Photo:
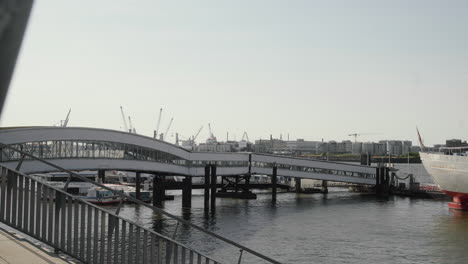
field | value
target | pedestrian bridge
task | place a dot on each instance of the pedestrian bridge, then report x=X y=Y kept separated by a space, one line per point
x=79 y=148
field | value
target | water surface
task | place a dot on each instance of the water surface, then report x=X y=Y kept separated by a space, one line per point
x=340 y=227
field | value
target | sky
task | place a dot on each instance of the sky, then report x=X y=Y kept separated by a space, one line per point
x=311 y=69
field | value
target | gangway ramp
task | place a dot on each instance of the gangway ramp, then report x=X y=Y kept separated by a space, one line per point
x=313 y=169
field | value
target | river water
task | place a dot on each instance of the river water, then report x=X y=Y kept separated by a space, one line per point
x=339 y=227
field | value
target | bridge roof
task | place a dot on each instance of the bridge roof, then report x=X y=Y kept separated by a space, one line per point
x=182 y=161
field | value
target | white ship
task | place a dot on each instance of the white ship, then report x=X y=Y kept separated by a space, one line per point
x=449 y=169
x=58 y=180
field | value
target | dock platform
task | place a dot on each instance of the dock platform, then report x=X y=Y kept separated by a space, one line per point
x=15 y=249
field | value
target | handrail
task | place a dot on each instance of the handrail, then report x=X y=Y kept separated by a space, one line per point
x=59 y=190
x=128 y=197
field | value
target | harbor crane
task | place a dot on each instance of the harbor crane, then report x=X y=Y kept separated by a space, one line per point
x=158 y=123
x=131 y=128
x=65 y=122
x=355 y=135
x=245 y=137
x=209 y=129
x=198 y=133
x=124 y=119
x=168 y=127
x=212 y=138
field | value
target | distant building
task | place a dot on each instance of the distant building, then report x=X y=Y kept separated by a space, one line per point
x=373 y=148
x=453 y=143
x=322 y=147
x=218 y=147
x=348 y=146
x=394 y=147
x=356 y=148
x=368 y=147
x=244 y=145
x=302 y=146
x=332 y=146
x=437 y=147
x=406 y=147
x=380 y=149
x=269 y=146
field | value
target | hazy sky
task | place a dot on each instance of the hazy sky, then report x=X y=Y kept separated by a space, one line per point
x=314 y=69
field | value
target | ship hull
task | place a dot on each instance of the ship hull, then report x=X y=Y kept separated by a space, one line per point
x=451 y=174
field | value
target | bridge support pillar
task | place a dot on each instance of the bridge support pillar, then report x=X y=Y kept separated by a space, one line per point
x=325 y=186
x=102 y=176
x=207 y=189
x=382 y=186
x=231 y=187
x=213 y=188
x=298 y=185
x=247 y=184
x=187 y=192
x=138 y=185
x=366 y=159
x=273 y=184
x=158 y=190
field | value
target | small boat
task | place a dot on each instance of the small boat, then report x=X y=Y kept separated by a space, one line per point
x=98 y=195
x=145 y=194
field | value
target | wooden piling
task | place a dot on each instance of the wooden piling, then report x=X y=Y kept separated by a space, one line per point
x=187 y=192
x=273 y=184
x=247 y=184
x=213 y=188
x=138 y=185
x=158 y=190
x=102 y=176
x=298 y=184
x=325 y=186
x=207 y=189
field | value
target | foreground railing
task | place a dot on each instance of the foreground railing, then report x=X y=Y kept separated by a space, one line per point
x=83 y=230
x=125 y=235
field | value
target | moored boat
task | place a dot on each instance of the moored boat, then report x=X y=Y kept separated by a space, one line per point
x=98 y=195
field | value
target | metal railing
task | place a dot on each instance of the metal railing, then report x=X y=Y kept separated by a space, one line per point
x=81 y=229
x=171 y=251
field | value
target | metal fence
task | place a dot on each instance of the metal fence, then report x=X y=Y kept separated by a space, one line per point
x=83 y=230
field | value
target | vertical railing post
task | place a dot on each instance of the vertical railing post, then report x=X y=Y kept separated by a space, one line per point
x=19 y=179
x=14 y=190
x=240 y=256
x=26 y=205
x=59 y=203
x=3 y=187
